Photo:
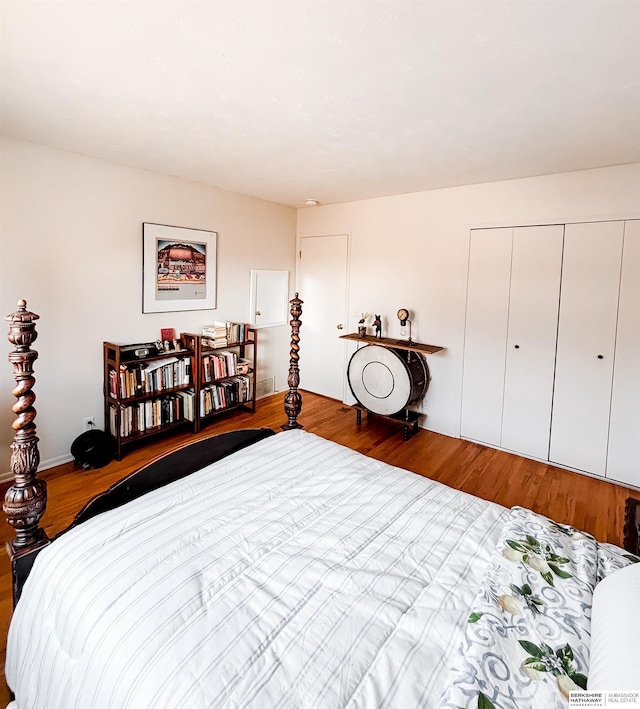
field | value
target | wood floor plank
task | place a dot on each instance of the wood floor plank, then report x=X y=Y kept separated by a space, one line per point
x=593 y=505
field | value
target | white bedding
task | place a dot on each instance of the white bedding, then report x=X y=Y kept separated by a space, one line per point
x=615 y=631
x=295 y=573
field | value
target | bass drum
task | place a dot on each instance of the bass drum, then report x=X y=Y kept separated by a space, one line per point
x=385 y=380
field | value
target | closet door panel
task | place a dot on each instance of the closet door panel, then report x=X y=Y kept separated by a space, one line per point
x=623 y=461
x=486 y=334
x=586 y=337
x=531 y=342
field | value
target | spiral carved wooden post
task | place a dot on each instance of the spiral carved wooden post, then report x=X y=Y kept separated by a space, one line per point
x=293 y=400
x=26 y=499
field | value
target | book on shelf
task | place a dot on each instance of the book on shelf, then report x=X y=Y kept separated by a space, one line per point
x=237 y=333
x=224 y=333
x=219 y=365
x=156 y=376
x=223 y=395
x=188 y=404
x=113 y=383
x=143 y=416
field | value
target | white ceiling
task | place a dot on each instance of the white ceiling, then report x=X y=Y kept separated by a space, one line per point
x=332 y=100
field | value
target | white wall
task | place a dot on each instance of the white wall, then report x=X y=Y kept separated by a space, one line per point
x=412 y=251
x=71 y=245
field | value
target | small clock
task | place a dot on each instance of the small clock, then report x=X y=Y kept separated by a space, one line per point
x=403 y=315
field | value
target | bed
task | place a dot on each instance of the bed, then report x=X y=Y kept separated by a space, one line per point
x=264 y=569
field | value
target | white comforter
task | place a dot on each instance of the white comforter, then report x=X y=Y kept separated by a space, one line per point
x=295 y=573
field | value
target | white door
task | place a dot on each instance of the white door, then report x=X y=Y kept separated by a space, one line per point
x=322 y=286
x=486 y=334
x=623 y=460
x=510 y=337
x=586 y=344
x=531 y=342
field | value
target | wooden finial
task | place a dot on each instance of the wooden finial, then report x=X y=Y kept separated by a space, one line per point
x=293 y=400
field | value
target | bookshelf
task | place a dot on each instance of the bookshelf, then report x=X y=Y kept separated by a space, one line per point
x=148 y=392
x=223 y=373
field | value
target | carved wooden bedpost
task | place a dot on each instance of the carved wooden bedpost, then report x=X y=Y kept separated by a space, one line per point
x=26 y=499
x=293 y=400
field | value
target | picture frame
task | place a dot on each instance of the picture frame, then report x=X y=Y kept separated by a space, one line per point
x=179 y=268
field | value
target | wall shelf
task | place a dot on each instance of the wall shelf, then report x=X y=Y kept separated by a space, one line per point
x=395 y=344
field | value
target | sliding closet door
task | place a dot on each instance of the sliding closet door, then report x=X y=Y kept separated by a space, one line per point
x=586 y=344
x=510 y=341
x=531 y=342
x=623 y=460
x=486 y=334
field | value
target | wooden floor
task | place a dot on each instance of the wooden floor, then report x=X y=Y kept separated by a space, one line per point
x=586 y=503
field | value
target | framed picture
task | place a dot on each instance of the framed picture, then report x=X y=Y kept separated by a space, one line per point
x=178 y=268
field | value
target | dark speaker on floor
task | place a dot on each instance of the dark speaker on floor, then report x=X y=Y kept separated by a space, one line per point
x=93 y=449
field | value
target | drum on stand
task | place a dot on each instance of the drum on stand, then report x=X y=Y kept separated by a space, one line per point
x=385 y=380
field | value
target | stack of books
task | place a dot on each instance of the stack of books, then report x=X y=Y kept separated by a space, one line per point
x=215 y=335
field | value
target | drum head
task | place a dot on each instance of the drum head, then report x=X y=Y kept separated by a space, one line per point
x=380 y=379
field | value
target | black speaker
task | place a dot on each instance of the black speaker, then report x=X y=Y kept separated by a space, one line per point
x=93 y=449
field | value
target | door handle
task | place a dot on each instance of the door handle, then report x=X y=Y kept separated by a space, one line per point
x=340 y=326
